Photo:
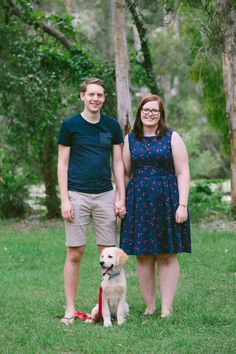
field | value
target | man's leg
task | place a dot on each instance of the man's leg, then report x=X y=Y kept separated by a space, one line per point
x=71 y=277
x=104 y=219
x=101 y=247
x=75 y=242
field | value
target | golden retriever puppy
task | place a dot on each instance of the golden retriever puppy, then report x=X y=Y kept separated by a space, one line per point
x=113 y=286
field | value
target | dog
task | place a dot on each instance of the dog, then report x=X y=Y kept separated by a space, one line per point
x=113 y=286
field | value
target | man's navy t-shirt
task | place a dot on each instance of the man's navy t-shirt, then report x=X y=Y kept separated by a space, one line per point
x=89 y=168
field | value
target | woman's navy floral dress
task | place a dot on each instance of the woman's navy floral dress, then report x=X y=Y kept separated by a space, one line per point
x=149 y=227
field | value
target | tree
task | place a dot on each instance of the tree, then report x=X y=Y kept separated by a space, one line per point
x=219 y=33
x=122 y=67
x=229 y=68
x=40 y=72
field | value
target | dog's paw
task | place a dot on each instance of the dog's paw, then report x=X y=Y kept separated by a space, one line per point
x=107 y=323
x=120 y=320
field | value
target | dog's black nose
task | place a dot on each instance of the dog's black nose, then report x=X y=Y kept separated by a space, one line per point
x=101 y=263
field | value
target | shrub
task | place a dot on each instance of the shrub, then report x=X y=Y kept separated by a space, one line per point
x=204 y=162
x=13 y=189
x=206 y=203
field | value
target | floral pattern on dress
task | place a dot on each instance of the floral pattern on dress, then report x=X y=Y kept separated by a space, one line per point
x=149 y=227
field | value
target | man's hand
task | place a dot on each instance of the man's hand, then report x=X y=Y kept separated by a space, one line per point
x=67 y=210
x=120 y=208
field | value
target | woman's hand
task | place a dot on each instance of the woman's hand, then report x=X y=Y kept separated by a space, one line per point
x=120 y=208
x=181 y=214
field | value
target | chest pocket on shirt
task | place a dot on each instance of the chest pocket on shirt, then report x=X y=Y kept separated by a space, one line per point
x=105 y=138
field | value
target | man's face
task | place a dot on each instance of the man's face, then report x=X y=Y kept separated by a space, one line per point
x=93 y=98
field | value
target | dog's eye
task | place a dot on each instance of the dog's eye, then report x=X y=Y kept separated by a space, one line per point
x=110 y=257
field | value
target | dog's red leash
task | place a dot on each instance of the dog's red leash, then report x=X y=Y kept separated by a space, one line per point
x=87 y=317
x=83 y=316
x=99 y=314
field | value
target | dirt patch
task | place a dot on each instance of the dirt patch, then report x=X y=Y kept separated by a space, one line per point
x=36 y=222
x=217 y=225
x=31 y=222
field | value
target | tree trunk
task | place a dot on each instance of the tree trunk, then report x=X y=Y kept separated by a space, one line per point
x=68 y=5
x=229 y=67
x=124 y=109
x=229 y=70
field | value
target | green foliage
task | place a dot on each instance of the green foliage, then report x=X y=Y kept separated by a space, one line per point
x=201 y=146
x=184 y=112
x=206 y=203
x=63 y=23
x=206 y=65
x=13 y=188
x=204 y=165
x=138 y=75
x=39 y=83
x=151 y=12
x=210 y=74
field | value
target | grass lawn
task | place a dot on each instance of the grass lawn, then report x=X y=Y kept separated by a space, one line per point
x=31 y=296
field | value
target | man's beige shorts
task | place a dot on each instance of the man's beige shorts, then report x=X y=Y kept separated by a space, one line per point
x=102 y=209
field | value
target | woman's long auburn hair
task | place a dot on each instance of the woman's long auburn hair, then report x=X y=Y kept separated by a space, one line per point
x=138 y=125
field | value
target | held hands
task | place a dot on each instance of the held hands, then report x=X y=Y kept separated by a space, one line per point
x=120 y=208
x=181 y=214
x=67 y=210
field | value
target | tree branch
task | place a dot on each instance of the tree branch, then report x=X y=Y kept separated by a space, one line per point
x=15 y=10
x=57 y=34
x=147 y=62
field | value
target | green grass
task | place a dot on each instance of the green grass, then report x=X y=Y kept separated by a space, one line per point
x=31 y=296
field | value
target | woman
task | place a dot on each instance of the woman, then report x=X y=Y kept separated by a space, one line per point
x=156 y=226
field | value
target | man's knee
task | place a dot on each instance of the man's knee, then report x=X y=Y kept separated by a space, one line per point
x=75 y=254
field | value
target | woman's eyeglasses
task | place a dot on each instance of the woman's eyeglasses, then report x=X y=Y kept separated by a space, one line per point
x=154 y=112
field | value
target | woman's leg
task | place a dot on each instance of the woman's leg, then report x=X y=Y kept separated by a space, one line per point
x=146 y=271
x=168 y=271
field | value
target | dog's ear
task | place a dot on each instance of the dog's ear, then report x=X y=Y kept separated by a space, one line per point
x=122 y=257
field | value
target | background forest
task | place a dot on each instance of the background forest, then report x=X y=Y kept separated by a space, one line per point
x=174 y=48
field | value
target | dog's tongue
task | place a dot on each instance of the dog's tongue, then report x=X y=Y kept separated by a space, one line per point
x=104 y=270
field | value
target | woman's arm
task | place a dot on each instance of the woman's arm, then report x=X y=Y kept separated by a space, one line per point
x=180 y=157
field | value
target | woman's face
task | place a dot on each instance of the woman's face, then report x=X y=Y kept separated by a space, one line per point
x=150 y=114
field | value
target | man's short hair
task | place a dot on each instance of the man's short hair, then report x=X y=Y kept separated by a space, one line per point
x=92 y=80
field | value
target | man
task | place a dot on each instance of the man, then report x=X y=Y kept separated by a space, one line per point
x=84 y=176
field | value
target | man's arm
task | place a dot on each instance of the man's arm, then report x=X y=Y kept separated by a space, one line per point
x=127 y=161
x=62 y=174
x=118 y=169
